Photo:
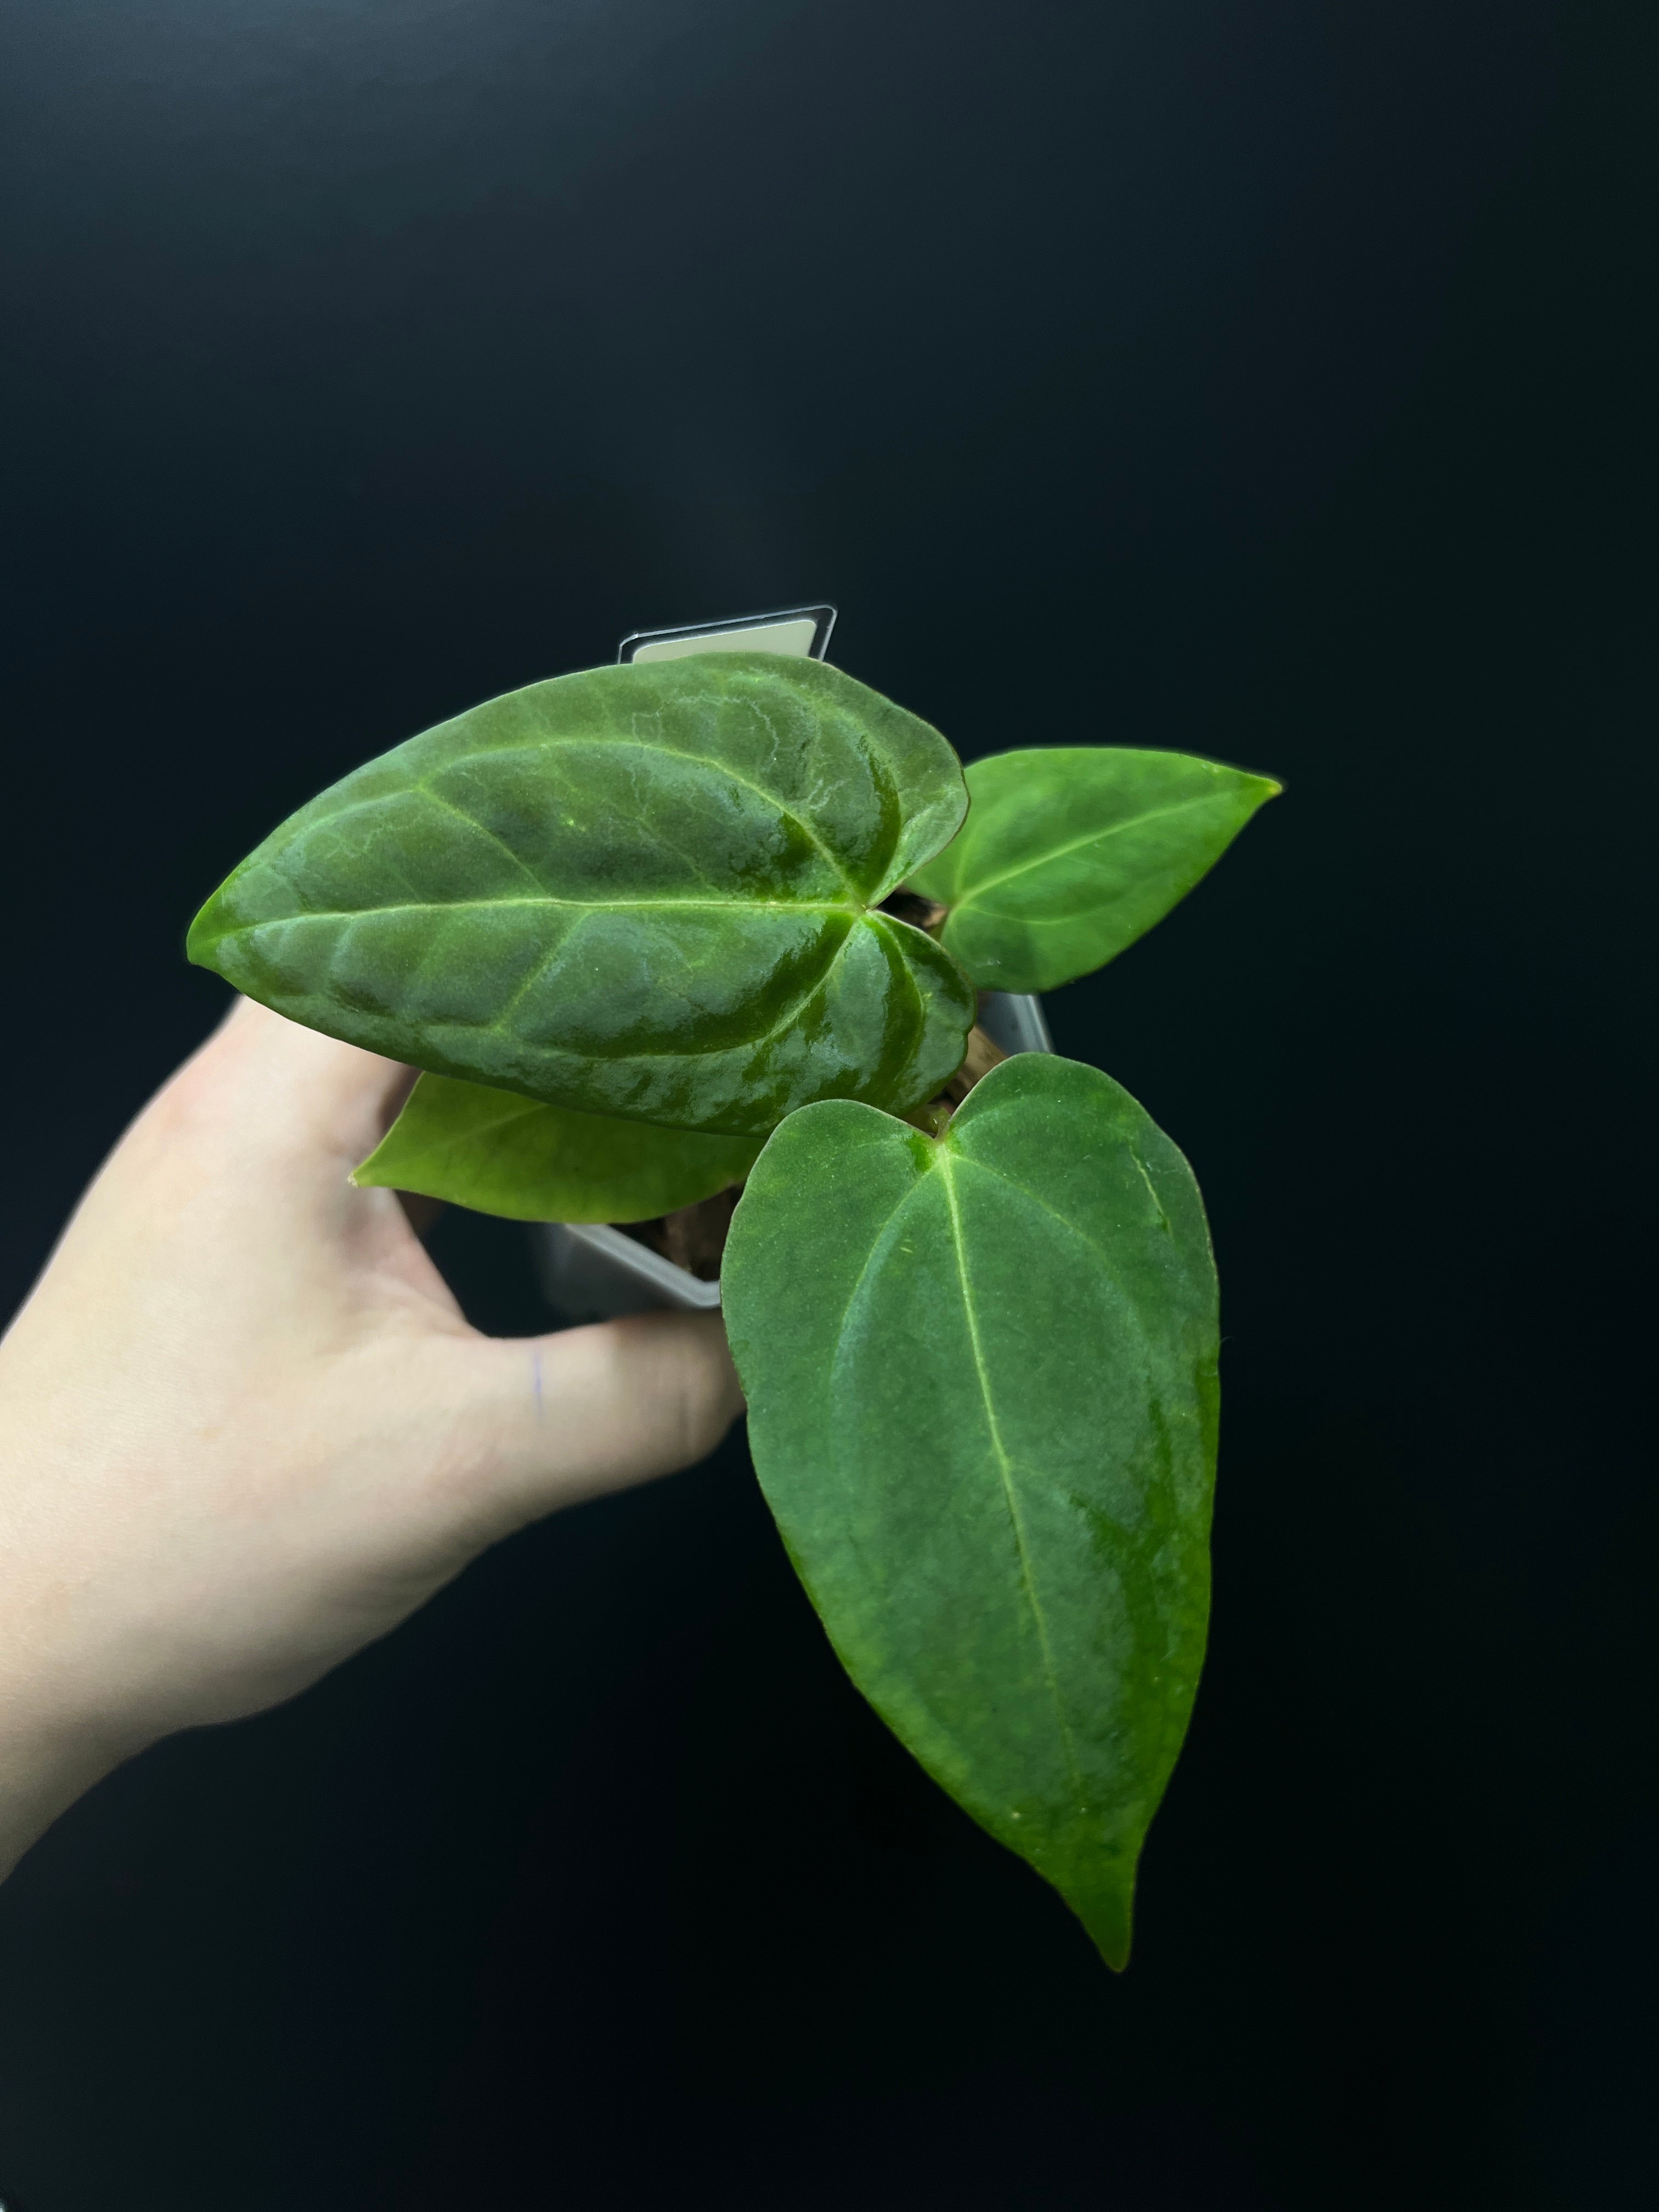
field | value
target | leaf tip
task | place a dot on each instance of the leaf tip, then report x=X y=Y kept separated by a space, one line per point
x=1104 y=1898
x=1109 y=1919
x=207 y=933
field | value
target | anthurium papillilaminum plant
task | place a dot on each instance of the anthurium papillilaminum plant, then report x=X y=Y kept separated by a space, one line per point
x=657 y=931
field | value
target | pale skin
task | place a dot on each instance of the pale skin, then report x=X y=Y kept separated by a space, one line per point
x=244 y=1430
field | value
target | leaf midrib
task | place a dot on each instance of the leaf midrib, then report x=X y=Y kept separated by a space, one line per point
x=547 y=898
x=512 y=1109
x=878 y=925
x=496 y=1024
x=942 y=1166
x=1077 y=844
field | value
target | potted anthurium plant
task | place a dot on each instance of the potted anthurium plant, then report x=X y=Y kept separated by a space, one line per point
x=657 y=931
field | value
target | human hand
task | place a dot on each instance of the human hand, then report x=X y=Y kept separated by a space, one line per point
x=244 y=1430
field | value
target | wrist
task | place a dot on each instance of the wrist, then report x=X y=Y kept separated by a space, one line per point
x=40 y=1776
x=56 y=1742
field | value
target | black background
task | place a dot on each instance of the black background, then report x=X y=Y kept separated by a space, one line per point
x=1268 y=378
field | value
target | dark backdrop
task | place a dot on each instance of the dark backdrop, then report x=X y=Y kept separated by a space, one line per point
x=1268 y=378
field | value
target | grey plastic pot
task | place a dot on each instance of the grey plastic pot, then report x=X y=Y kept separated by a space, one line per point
x=592 y=1272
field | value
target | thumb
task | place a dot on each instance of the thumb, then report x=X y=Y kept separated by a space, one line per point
x=552 y=1419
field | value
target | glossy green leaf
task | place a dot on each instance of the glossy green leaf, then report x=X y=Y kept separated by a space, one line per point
x=1071 y=852
x=499 y=1153
x=983 y=1401
x=643 y=891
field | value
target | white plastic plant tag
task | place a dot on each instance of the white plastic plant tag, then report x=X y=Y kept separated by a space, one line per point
x=801 y=630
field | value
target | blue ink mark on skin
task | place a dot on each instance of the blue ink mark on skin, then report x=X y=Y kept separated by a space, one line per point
x=535 y=1381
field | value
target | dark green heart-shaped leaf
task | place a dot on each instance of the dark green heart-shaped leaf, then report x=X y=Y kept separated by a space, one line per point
x=982 y=1399
x=644 y=891
x=1071 y=852
x=499 y=1153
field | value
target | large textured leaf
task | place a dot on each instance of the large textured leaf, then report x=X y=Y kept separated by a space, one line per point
x=1071 y=852
x=642 y=891
x=981 y=1383
x=499 y=1153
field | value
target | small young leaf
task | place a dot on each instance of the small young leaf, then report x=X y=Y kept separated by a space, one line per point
x=1070 y=853
x=982 y=1403
x=645 y=891
x=498 y=1153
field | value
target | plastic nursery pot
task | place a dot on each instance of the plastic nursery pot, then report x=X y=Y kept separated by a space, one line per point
x=595 y=1272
